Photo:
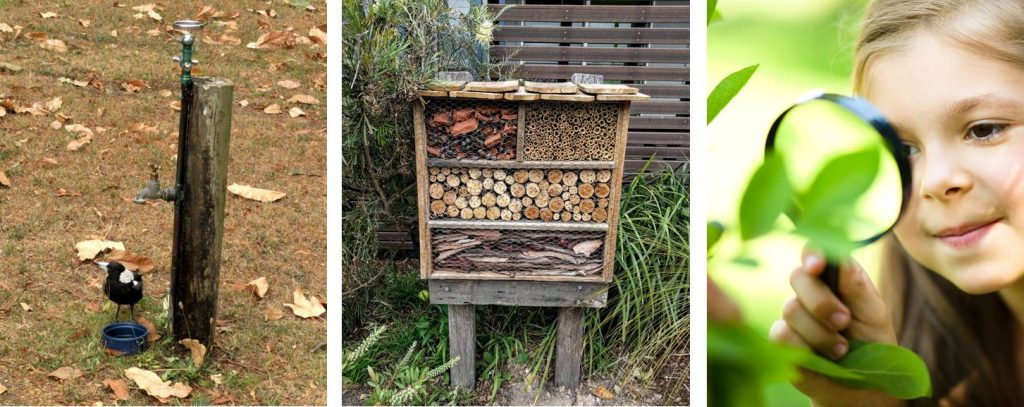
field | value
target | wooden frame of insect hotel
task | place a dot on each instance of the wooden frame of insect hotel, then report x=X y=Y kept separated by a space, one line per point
x=518 y=188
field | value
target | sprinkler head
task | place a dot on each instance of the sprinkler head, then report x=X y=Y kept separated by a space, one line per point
x=188 y=29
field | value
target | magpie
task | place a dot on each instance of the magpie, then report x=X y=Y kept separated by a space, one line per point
x=122 y=286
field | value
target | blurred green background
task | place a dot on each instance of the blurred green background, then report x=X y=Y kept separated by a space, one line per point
x=801 y=45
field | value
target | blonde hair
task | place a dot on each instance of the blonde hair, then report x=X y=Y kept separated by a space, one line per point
x=990 y=28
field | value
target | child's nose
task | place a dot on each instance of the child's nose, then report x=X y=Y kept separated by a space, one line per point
x=942 y=179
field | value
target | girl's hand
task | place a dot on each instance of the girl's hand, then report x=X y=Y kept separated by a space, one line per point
x=818 y=320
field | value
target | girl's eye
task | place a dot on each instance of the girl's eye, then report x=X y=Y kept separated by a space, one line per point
x=909 y=149
x=985 y=131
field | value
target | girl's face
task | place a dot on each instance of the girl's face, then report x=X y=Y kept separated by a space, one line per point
x=962 y=114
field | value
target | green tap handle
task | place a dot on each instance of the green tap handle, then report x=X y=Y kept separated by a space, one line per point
x=186 y=59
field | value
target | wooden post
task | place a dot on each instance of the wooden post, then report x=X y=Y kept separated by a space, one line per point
x=462 y=343
x=569 y=347
x=195 y=262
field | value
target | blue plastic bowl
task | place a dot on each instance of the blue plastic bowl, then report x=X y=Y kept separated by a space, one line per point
x=126 y=337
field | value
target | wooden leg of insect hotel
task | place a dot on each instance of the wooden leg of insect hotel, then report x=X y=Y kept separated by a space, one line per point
x=569 y=347
x=461 y=343
x=200 y=221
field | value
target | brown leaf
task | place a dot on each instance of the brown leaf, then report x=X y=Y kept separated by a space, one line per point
x=288 y=84
x=229 y=39
x=65 y=373
x=587 y=247
x=26 y=307
x=256 y=194
x=152 y=385
x=273 y=314
x=61 y=192
x=49 y=14
x=305 y=308
x=304 y=99
x=4 y=181
x=153 y=335
x=198 y=350
x=318 y=36
x=296 y=112
x=272 y=109
x=130 y=260
x=259 y=286
x=85 y=23
x=49 y=161
x=175 y=105
x=119 y=387
x=2 y=389
x=4 y=28
x=77 y=144
x=133 y=85
x=603 y=393
x=53 y=105
x=54 y=45
x=166 y=93
x=273 y=39
x=37 y=36
x=89 y=249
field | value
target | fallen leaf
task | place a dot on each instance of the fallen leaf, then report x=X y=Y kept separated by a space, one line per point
x=56 y=125
x=165 y=93
x=37 y=36
x=587 y=247
x=48 y=14
x=304 y=99
x=175 y=105
x=256 y=194
x=318 y=36
x=218 y=379
x=75 y=145
x=273 y=39
x=4 y=181
x=89 y=249
x=603 y=393
x=145 y=8
x=26 y=307
x=6 y=28
x=154 y=15
x=119 y=387
x=61 y=192
x=65 y=373
x=296 y=112
x=85 y=23
x=272 y=109
x=3 y=389
x=259 y=286
x=131 y=261
x=133 y=85
x=154 y=32
x=229 y=39
x=152 y=385
x=198 y=350
x=288 y=84
x=50 y=161
x=153 y=335
x=113 y=33
x=305 y=308
x=242 y=103
x=273 y=314
x=54 y=45
x=9 y=67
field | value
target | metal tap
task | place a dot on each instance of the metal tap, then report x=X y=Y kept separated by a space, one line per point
x=152 y=189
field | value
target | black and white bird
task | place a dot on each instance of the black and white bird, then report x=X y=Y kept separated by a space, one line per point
x=122 y=286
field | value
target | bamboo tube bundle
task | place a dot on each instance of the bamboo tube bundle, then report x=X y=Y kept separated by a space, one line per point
x=570 y=131
x=471 y=129
x=551 y=195
x=518 y=252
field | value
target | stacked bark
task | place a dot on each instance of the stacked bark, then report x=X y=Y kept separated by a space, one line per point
x=472 y=130
x=546 y=195
x=518 y=252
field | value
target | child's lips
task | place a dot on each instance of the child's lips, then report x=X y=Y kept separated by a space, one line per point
x=965 y=235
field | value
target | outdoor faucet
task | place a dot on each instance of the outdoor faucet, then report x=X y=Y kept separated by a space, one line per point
x=152 y=189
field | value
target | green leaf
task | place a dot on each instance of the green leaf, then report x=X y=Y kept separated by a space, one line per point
x=829 y=368
x=715 y=17
x=767 y=196
x=715 y=230
x=895 y=370
x=841 y=181
x=712 y=6
x=727 y=89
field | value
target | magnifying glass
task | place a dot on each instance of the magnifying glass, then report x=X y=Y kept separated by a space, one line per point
x=848 y=169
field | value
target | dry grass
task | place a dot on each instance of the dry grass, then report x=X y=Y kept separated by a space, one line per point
x=262 y=362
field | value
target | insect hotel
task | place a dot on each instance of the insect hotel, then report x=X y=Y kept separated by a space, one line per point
x=518 y=189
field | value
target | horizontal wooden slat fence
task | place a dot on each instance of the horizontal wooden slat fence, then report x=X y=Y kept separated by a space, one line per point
x=645 y=46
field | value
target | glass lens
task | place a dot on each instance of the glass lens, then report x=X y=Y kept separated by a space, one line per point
x=846 y=182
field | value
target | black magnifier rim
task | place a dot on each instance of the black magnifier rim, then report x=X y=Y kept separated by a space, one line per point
x=869 y=114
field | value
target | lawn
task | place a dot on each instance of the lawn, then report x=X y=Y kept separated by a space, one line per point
x=109 y=64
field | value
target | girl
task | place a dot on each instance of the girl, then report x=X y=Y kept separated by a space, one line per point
x=949 y=75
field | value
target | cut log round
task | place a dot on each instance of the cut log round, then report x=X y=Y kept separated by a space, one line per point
x=434 y=171
x=604 y=175
x=555 y=176
x=488 y=199
x=474 y=173
x=462 y=202
x=536 y=175
x=521 y=176
x=516 y=216
x=453 y=211
x=565 y=196
x=463 y=177
x=480 y=212
x=499 y=187
x=463 y=191
x=487 y=173
x=576 y=216
x=541 y=201
x=569 y=178
x=555 y=190
x=436 y=191
x=453 y=180
x=506 y=214
x=515 y=205
x=474 y=186
x=587 y=206
x=438 y=208
x=556 y=204
x=502 y=200
x=602 y=190
x=517 y=190
x=510 y=179
x=566 y=216
x=586 y=191
x=449 y=197
x=532 y=190
x=446 y=171
x=543 y=185
x=493 y=213
x=474 y=201
x=488 y=183
x=499 y=174
x=466 y=214
x=574 y=199
x=600 y=215
x=587 y=176
x=585 y=217
x=602 y=203
x=531 y=212
x=546 y=215
x=527 y=201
